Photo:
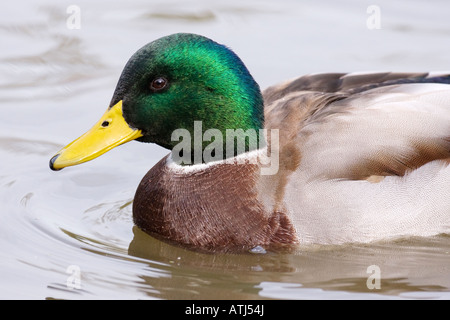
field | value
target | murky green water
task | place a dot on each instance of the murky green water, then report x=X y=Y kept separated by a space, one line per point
x=55 y=82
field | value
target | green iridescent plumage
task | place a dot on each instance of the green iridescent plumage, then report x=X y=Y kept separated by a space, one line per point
x=207 y=82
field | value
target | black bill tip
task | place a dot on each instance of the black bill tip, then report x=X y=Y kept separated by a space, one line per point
x=52 y=162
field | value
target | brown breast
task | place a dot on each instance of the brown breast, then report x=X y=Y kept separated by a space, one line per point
x=216 y=209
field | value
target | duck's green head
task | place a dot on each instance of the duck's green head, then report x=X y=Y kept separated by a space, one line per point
x=173 y=83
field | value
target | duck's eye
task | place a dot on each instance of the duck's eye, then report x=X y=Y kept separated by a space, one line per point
x=158 y=84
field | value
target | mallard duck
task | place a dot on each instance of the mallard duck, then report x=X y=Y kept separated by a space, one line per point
x=347 y=157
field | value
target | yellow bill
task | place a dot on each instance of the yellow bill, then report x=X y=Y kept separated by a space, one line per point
x=109 y=132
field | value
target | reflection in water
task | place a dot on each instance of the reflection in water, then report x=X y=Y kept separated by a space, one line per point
x=402 y=265
x=203 y=275
x=149 y=248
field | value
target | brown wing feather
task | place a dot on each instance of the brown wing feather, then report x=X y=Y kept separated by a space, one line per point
x=388 y=164
x=335 y=82
x=291 y=106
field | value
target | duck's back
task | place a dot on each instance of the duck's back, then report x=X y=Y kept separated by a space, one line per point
x=363 y=157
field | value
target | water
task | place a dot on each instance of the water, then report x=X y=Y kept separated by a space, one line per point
x=55 y=82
